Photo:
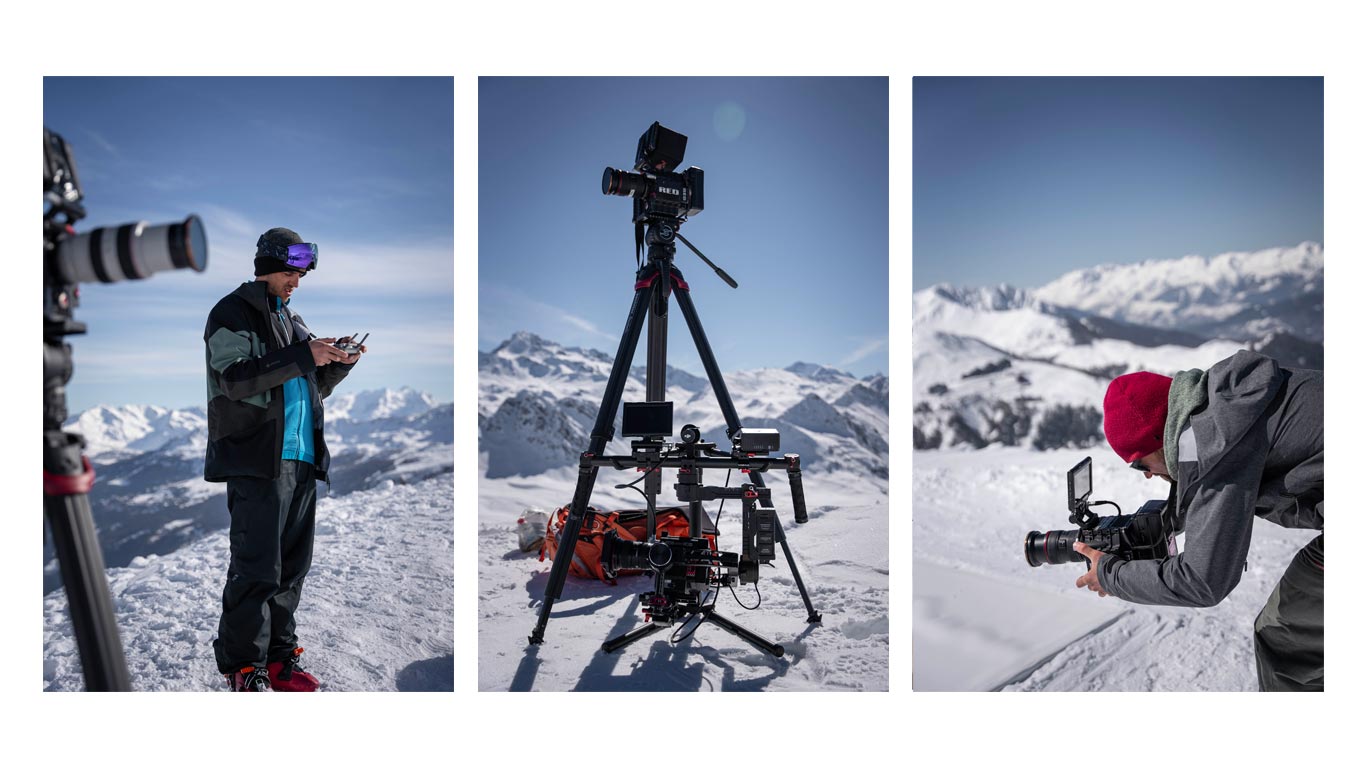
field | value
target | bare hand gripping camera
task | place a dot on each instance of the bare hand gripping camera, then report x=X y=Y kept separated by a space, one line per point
x=685 y=568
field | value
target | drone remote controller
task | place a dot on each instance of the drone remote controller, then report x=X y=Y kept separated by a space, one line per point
x=352 y=347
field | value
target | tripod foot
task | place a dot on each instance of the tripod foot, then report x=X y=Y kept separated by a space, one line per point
x=535 y=638
x=814 y=618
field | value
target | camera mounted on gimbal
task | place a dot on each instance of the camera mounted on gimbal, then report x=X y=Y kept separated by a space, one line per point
x=1144 y=535
x=108 y=254
x=685 y=568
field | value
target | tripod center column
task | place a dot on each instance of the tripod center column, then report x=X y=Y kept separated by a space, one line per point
x=659 y=237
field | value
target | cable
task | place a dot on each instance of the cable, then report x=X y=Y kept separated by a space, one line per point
x=717 y=522
x=1118 y=511
x=756 y=593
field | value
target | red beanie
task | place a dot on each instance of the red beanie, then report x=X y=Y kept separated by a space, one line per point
x=1136 y=413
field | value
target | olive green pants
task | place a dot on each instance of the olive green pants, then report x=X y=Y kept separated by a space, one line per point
x=1289 y=631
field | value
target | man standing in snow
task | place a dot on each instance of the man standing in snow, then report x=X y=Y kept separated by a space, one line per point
x=267 y=378
x=1243 y=439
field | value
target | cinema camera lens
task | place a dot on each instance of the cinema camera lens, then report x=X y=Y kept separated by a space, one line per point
x=133 y=251
x=620 y=554
x=624 y=183
x=1051 y=548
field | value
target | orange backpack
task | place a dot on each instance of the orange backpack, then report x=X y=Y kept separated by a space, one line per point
x=628 y=524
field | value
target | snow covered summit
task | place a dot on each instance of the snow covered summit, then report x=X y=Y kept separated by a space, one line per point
x=1239 y=295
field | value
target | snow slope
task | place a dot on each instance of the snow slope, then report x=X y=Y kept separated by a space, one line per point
x=842 y=554
x=376 y=612
x=985 y=620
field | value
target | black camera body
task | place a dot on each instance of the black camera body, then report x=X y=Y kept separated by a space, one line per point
x=1140 y=536
x=658 y=192
x=685 y=568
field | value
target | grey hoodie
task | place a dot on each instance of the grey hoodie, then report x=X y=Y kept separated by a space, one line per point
x=1254 y=448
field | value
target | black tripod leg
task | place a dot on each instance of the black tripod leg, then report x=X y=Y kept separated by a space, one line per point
x=621 y=641
x=743 y=634
x=812 y=615
x=699 y=338
x=602 y=432
x=87 y=593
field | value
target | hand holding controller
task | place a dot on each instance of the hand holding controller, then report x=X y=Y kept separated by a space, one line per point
x=350 y=345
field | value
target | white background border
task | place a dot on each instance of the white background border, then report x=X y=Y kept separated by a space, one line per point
x=711 y=38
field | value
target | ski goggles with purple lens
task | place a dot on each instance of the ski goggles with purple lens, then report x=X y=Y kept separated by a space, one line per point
x=302 y=256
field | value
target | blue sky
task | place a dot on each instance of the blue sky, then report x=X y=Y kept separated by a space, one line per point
x=1019 y=180
x=361 y=166
x=796 y=211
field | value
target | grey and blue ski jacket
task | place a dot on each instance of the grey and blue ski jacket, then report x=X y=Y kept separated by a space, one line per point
x=258 y=363
x=1248 y=442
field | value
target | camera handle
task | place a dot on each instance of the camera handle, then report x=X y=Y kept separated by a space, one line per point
x=721 y=273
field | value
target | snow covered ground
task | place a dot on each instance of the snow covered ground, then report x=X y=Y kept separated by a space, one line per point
x=842 y=554
x=983 y=619
x=376 y=613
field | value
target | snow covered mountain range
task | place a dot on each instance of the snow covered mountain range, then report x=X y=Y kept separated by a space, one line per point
x=1015 y=367
x=538 y=401
x=150 y=497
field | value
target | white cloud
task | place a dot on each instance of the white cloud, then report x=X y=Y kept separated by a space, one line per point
x=494 y=298
x=863 y=351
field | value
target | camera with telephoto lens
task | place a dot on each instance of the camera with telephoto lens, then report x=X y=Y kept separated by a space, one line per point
x=130 y=251
x=658 y=192
x=1143 y=535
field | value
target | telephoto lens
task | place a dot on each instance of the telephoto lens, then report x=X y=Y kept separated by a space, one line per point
x=1052 y=547
x=133 y=251
x=623 y=183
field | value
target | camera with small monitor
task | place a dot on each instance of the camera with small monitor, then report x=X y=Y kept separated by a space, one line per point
x=1144 y=535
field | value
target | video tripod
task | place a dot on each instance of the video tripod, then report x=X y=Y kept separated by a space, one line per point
x=656 y=280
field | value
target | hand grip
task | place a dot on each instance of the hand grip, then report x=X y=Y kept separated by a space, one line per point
x=794 y=478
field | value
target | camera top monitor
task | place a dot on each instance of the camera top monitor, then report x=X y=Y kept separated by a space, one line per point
x=660 y=149
x=647 y=419
x=1079 y=483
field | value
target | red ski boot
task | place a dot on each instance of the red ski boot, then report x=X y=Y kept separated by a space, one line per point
x=288 y=676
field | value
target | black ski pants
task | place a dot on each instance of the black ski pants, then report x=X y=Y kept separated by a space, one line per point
x=1288 y=632
x=271 y=541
